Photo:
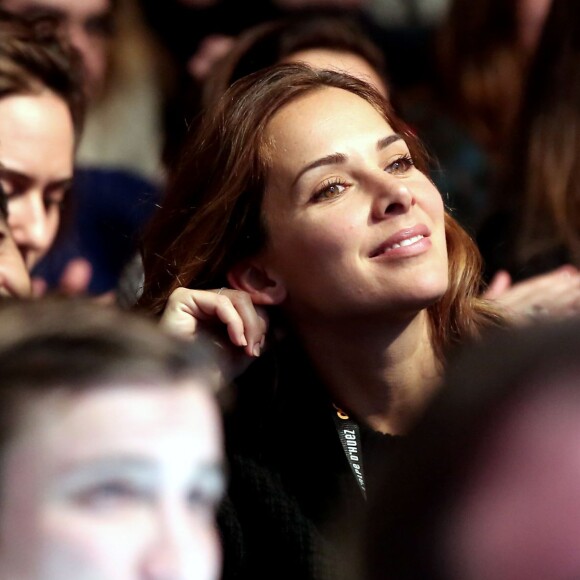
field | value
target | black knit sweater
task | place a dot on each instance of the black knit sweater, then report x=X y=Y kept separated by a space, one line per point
x=293 y=506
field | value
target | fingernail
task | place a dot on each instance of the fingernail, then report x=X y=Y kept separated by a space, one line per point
x=256 y=350
x=243 y=340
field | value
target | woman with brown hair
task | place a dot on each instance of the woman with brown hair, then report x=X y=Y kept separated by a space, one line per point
x=304 y=194
x=536 y=225
x=484 y=50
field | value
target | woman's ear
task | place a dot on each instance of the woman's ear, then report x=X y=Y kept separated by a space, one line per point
x=264 y=288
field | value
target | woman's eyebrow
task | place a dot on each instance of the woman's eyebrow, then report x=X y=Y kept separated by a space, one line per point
x=332 y=159
x=386 y=141
x=337 y=158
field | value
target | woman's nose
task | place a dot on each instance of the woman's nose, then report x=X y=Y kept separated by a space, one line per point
x=393 y=197
x=29 y=225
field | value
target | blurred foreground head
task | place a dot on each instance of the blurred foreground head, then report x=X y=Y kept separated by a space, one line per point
x=489 y=486
x=110 y=448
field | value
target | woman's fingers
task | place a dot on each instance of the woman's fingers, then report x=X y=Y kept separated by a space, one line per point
x=245 y=327
x=254 y=320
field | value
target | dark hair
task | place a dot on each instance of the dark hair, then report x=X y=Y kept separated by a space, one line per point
x=77 y=345
x=208 y=223
x=542 y=181
x=34 y=56
x=269 y=43
x=404 y=537
x=483 y=66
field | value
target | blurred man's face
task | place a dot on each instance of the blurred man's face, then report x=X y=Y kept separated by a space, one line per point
x=14 y=278
x=116 y=483
x=88 y=25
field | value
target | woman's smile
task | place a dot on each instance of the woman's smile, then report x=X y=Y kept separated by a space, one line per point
x=407 y=242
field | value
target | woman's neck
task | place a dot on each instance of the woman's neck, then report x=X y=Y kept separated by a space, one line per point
x=384 y=378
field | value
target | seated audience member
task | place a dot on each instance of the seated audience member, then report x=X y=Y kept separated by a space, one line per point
x=118 y=168
x=319 y=40
x=536 y=224
x=110 y=444
x=41 y=113
x=14 y=278
x=489 y=486
x=328 y=220
x=484 y=55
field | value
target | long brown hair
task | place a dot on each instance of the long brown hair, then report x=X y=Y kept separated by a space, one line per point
x=543 y=179
x=211 y=217
x=483 y=66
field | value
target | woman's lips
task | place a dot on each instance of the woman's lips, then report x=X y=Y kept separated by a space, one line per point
x=409 y=241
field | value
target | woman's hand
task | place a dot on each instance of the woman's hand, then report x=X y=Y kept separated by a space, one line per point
x=246 y=325
x=552 y=295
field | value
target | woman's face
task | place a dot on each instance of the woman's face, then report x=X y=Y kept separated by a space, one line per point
x=118 y=483
x=36 y=168
x=353 y=227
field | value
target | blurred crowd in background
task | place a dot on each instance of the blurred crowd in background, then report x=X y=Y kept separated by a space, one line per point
x=100 y=101
x=454 y=70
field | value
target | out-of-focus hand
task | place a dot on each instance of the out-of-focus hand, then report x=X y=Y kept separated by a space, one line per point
x=74 y=281
x=246 y=324
x=210 y=51
x=553 y=295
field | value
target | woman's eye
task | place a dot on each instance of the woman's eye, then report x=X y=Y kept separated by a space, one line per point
x=400 y=165
x=50 y=203
x=55 y=199
x=329 y=190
